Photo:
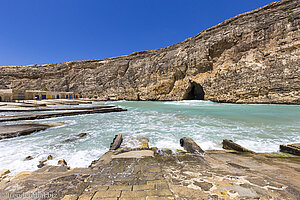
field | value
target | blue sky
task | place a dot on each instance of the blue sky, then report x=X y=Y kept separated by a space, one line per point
x=51 y=31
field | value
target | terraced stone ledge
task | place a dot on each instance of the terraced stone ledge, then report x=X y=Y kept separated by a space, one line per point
x=15 y=130
x=151 y=173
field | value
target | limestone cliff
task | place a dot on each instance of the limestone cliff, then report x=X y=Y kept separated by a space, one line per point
x=250 y=58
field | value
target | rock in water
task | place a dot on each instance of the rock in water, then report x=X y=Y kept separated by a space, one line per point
x=82 y=135
x=250 y=58
x=41 y=163
x=190 y=145
x=116 y=142
x=62 y=162
x=3 y=173
x=50 y=157
x=229 y=144
x=28 y=158
x=291 y=149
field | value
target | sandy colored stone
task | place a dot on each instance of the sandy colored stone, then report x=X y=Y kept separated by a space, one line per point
x=132 y=198
x=160 y=186
x=185 y=192
x=156 y=182
x=86 y=195
x=70 y=197
x=160 y=198
x=159 y=193
x=107 y=194
x=143 y=187
x=99 y=188
x=133 y=194
x=4 y=172
x=135 y=154
x=120 y=187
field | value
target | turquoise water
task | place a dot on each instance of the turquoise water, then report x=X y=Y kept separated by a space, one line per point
x=260 y=128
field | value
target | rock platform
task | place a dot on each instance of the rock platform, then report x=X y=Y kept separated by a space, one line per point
x=15 y=130
x=66 y=112
x=144 y=173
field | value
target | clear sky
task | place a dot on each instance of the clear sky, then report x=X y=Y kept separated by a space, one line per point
x=51 y=31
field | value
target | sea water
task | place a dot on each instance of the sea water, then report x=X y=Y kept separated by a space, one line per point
x=261 y=128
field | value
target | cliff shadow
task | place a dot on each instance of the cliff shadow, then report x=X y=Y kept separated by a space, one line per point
x=194 y=92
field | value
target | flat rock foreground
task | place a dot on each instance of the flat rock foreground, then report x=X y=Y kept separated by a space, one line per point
x=149 y=173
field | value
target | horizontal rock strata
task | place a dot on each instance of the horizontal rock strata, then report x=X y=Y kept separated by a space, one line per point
x=15 y=130
x=250 y=58
x=34 y=116
x=290 y=148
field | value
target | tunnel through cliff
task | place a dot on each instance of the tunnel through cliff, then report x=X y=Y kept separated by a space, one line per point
x=194 y=92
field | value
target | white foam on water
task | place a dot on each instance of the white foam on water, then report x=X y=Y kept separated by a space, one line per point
x=189 y=102
x=259 y=128
x=167 y=143
x=209 y=145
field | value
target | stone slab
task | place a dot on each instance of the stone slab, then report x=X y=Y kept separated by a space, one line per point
x=15 y=130
x=59 y=114
x=134 y=154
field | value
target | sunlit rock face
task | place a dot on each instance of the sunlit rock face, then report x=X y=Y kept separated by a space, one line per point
x=250 y=58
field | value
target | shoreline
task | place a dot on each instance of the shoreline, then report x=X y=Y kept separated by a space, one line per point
x=161 y=173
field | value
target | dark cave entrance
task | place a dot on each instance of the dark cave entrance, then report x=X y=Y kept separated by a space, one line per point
x=194 y=92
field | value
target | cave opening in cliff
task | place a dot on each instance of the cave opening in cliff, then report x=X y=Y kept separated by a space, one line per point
x=194 y=92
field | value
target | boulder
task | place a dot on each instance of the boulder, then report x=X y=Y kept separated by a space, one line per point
x=50 y=157
x=62 y=162
x=190 y=145
x=41 y=163
x=3 y=173
x=116 y=142
x=82 y=135
x=229 y=144
x=28 y=158
x=291 y=149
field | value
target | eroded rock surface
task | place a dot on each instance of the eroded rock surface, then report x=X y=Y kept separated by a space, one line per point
x=250 y=58
x=141 y=174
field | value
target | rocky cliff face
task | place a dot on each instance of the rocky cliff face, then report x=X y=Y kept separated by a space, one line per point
x=250 y=58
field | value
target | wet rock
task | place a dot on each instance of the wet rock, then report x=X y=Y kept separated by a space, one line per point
x=50 y=157
x=62 y=162
x=82 y=135
x=291 y=149
x=28 y=158
x=229 y=144
x=3 y=173
x=42 y=163
x=116 y=142
x=70 y=140
x=190 y=145
x=16 y=130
